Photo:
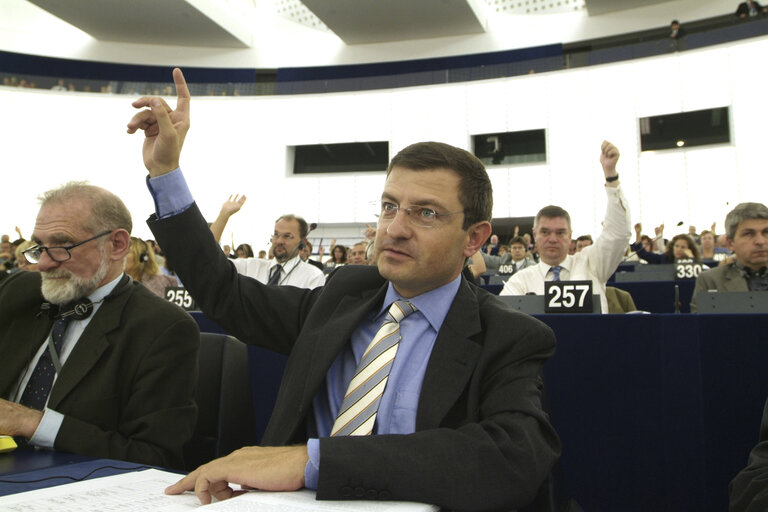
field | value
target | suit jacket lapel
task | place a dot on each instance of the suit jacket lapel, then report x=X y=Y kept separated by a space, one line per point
x=17 y=360
x=453 y=360
x=734 y=281
x=90 y=347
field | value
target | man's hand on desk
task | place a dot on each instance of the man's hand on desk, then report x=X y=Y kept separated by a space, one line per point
x=270 y=468
x=17 y=420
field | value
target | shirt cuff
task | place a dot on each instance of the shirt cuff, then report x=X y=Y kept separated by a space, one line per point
x=47 y=430
x=170 y=193
x=312 y=469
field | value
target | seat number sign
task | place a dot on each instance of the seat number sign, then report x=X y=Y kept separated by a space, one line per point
x=568 y=296
x=687 y=269
x=181 y=297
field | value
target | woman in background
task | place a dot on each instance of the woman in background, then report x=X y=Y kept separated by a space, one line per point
x=141 y=265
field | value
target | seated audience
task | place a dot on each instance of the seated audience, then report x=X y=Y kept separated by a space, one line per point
x=583 y=241
x=140 y=264
x=746 y=228
x=357 y=254
x=286 y=267
x=750 y=9
x=492 y=247
x=245 y=251
x=338 y=257
x=682 y=247
x=596 y=263
x=262 y=254
x=711 y=254
x=518 y=255
x=127 y=359
x=306 y=254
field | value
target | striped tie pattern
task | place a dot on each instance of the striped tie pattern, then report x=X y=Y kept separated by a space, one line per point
x=556 y=270
x=361 y=402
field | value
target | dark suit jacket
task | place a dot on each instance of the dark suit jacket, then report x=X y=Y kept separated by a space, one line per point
x=749 y=490
x=482 y=441
x=725 y=278
x=127 y=389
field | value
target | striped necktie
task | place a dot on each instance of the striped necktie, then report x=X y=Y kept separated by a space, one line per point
x=361 y=402
x=556 y=270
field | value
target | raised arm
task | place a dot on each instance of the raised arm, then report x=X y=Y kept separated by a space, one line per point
x=609 y=155
x=164 y=128
x=230 y=207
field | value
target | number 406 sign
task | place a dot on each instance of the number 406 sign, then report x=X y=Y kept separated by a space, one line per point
x=568 y=297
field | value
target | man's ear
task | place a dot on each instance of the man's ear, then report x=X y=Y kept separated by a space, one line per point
x=121 y=242
x=478 y=234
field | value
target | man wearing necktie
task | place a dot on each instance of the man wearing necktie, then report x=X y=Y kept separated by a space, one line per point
x=92 y=362
x=404 y=381
x=552 y=234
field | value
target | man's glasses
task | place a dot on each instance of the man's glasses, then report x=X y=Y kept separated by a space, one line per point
x=57 y=254
x=417 y=215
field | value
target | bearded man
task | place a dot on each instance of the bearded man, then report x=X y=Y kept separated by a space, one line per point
x=93 y=363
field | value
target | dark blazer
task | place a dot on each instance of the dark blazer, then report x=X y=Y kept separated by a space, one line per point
x=725 y=278
x=482 y=441
x=749 y=489
x=127 y=389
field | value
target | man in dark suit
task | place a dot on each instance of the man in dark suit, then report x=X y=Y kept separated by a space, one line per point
x=115 y=376
x=750 y=9
x=746 y=229
x=749 y=489
x=459 y=423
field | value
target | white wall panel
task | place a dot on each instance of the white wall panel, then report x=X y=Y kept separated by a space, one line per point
x=238 y=145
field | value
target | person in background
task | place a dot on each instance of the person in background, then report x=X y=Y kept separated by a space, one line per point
x=681 y=247
x=746 y=227
x=357 y=254
x=140 y=264
x=338 y=257
x=245 y=251
x=596 y=263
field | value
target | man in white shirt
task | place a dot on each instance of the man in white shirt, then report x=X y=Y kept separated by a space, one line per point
x=287 y=267
x=552 y=234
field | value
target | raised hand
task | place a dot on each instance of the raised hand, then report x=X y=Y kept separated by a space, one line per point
x=609 y=155
x=164 y=129
x=232 y=205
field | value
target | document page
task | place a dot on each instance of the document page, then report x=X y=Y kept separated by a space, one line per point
x=144 y=490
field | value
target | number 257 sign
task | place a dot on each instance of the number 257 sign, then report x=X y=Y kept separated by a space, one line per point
x=568 y=297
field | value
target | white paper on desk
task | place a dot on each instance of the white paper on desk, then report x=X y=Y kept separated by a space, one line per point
x=304 y=501
x=144 y=490
x=129 y=492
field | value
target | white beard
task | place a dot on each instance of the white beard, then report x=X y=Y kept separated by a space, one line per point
x=63 y=291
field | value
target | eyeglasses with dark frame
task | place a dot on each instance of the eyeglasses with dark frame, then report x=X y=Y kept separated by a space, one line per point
x=58 y=254
x=420 y=216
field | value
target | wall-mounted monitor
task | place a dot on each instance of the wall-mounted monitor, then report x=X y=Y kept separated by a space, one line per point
x=685 y=129
x=510 y=148
x=341 y=157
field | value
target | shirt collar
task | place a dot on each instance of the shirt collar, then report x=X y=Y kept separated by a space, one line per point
x=288 y=264
x=434 y=304
x=103 y=291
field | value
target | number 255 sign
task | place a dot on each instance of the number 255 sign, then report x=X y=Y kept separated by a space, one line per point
x=568 y=297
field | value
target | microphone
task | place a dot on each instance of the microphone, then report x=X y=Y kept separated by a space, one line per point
x=677 y=299
x=312 y=226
